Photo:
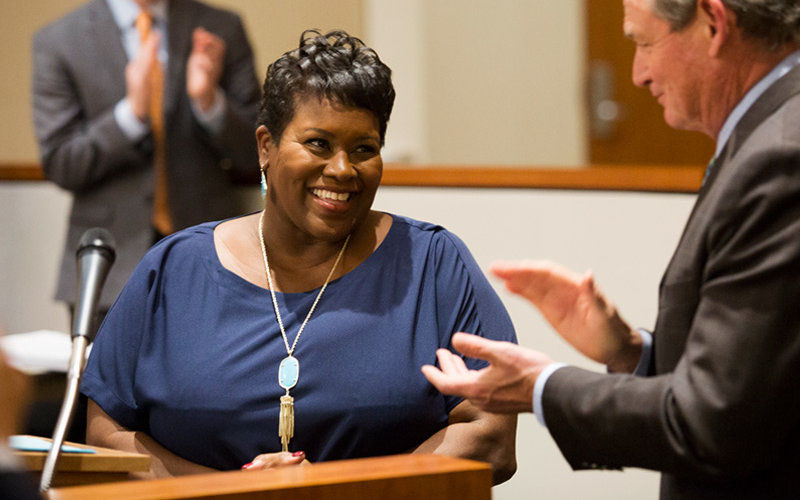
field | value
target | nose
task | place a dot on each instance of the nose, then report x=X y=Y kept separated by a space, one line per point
x=340 y=166
x=640 y=71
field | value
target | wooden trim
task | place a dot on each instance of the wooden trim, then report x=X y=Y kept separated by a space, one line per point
x=396 y=477
x=670 y=179
x=20 y=172
x=680 y=179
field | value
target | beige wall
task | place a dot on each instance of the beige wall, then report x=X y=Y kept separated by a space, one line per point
x=273 y=26
x=17 y=25
x=496 y=82
x=505 y=82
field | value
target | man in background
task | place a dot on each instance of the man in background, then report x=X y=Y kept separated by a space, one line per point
x=144 y=111
x=709 y=397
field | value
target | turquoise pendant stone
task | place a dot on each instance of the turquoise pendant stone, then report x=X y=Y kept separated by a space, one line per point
x=288 y=372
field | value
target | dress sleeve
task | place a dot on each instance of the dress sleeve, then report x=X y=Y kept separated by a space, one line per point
x=466 y=301
x=110 y=375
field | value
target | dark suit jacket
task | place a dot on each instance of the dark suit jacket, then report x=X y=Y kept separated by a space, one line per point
x=720 y=415
x=79 y=76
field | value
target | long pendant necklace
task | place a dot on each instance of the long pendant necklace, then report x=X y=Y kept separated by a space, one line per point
x=289 y=369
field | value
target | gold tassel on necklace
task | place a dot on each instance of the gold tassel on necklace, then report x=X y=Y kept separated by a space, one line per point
x=286 y=421
x=289 y=369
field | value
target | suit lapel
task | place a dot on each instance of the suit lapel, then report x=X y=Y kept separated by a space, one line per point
x=181 y=25
x=780 y=91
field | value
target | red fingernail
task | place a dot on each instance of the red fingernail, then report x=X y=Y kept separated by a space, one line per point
x=298 y=454
x=246 y=466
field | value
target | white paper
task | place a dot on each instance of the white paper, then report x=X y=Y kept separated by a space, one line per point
x=38 y=352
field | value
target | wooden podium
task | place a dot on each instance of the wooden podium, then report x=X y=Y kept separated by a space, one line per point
x=106 y=465
x=399 y=477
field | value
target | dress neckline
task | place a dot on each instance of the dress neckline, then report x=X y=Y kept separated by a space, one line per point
x=231 y=277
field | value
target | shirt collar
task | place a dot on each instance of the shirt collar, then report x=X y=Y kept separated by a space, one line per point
x=125 y=12
x=752 y=95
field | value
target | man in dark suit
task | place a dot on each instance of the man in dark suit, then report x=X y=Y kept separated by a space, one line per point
x=709 y=398
x=91 y=101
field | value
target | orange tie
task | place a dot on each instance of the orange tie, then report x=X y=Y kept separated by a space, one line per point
x=162 y=220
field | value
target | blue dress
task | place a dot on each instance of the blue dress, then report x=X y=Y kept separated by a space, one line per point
x=189 y=352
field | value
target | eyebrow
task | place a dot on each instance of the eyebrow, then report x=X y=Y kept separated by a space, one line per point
x=327 y=133
x=318 y=130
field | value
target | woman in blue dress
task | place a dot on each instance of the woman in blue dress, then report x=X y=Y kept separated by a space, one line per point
x=296 y=334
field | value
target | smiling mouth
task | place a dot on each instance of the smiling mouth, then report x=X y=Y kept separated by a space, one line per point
x=330 y=195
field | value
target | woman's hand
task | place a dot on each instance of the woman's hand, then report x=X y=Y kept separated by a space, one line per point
x=275 y=460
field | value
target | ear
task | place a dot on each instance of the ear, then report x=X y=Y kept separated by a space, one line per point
x=265 y=146
x=717 y=21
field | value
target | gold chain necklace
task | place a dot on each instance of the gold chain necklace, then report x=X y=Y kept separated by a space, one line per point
x=289 y=369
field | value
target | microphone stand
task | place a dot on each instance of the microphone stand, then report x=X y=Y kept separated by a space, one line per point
x=76 y=364
x=95 y=255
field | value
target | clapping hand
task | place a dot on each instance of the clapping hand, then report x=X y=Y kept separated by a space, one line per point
x=204 y=67
x=139 y=74
x=576 y=309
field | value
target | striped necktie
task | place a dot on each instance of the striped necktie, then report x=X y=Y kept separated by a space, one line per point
x=162 y=220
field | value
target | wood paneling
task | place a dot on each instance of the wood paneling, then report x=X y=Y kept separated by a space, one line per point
x=679 y=179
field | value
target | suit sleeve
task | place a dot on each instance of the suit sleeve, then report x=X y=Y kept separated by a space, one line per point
x=730 y=403
x=76 y=150
x=110 y=378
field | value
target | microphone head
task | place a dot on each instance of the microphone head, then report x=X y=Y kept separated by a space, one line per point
x=100 y=239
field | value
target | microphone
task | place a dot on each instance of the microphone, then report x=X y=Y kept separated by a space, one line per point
x=95 y=255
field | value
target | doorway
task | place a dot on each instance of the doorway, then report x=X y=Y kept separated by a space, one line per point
x=626 y=124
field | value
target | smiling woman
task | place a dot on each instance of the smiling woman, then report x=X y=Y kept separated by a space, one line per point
x=296 y=334
x=323 y=172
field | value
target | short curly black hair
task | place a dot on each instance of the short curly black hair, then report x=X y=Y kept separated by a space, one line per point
x=334 y=66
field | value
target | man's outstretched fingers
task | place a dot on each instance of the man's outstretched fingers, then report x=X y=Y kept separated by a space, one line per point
x=476 y=347
x=450 y=363
x=439 y=379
